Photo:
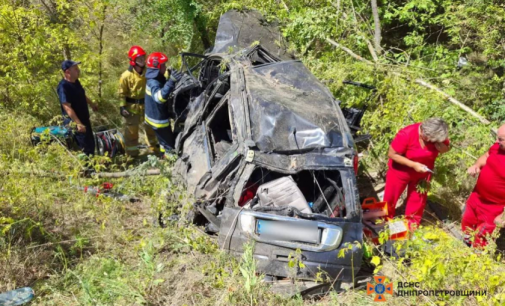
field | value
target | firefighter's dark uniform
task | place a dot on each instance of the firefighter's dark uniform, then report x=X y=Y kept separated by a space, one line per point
x=131 y=92
x=157 y=113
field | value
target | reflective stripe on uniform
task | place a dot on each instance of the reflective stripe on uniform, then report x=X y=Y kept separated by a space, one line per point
x=132 y=148
x=160 y=98
x=157 y=123
x=162 y=150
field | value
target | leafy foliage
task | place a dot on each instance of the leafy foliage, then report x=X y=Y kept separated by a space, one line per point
x=172 y=21
x=460 y=269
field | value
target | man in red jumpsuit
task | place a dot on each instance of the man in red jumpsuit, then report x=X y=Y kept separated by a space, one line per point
x=412 y=156
x=487 y=201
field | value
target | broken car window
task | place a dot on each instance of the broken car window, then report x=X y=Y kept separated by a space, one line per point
x=220 y=132
x=212 y=69
x=318 y=192
x=259 y=56
x=216 y=91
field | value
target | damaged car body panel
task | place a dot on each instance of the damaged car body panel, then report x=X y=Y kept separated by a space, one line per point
x=273 y=255
x=292 y=111
x=239 y=30
x=269 y=157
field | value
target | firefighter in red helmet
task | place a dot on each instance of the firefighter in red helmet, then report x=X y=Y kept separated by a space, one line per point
x=132 y=86
x=158 y=89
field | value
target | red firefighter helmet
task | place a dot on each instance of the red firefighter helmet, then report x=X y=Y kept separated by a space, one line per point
x=135 y=52
x=154 y=60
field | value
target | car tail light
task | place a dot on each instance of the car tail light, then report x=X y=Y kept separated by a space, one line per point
x=356 y=163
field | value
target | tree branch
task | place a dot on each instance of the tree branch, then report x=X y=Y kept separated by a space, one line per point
x=371 y=49
x=66 y=52
x=348 y=51
x=447 y=96
x=355 y=21
x=417 y=81
x=453 y=100
x=284 y=4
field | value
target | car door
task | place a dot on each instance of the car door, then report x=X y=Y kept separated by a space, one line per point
x=187 y=89
x=202 y=105
x=221 y=148
x=205 y=140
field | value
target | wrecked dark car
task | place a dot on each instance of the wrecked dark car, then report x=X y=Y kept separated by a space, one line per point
x=269 y=157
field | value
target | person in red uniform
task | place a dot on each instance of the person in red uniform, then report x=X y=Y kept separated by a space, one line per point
x=412 y=155
x=487 y=201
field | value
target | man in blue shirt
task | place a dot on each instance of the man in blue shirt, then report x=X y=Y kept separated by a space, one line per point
x=74 y=106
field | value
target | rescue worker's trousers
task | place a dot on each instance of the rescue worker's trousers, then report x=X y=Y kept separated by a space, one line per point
x=396 y=182
x=132 y=124
x=165 y=138
x=478 y=218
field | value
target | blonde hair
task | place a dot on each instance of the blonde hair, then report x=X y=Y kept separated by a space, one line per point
x=435 y=129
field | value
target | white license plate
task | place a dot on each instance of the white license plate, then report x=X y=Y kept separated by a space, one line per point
x=288 y=231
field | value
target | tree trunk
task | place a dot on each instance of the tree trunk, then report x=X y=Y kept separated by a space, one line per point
x=378 y=35
x=66 y=52
x=56 y=18
x=100 y=53
x=200 y=24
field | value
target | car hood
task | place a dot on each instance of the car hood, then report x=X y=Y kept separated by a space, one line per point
x=291 y=111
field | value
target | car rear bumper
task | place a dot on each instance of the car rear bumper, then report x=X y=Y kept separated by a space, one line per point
x=273 y=256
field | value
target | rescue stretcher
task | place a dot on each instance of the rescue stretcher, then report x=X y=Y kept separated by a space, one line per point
x=108 y=142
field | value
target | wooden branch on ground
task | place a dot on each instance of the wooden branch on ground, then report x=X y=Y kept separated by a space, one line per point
x=371 y=49
x=126 y=173
x=348 y=51
x=284 y=4
x=308 y=46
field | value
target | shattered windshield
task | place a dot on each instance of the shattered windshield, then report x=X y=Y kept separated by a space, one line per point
x=292 y=111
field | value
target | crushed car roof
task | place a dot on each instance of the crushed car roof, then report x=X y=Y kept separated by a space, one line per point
x=291 y=111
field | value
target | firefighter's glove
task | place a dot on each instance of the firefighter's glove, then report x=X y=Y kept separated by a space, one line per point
x=124 y=112
x=175 y=75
